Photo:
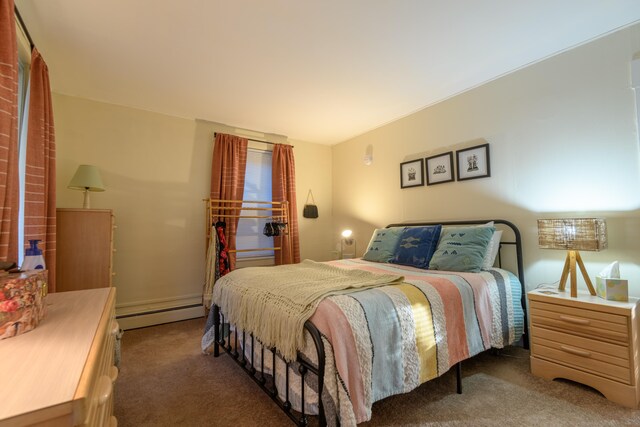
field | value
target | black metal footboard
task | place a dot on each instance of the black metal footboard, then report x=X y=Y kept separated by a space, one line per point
x=229 y=344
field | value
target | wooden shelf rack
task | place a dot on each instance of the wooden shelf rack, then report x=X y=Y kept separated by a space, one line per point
x=219 y=209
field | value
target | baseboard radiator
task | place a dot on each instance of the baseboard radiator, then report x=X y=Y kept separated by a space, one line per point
x=155 y=312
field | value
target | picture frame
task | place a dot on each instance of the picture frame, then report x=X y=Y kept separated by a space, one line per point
x=412 y=173
x=440 y=168
x=473 y=162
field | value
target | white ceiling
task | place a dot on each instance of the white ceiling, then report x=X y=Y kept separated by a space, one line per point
x=318 y=71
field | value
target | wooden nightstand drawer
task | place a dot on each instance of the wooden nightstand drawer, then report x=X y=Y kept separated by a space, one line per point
x=577 y=321
x=606 y=360
x=619 y=351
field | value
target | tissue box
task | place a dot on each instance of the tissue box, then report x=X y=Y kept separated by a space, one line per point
x=22 y=302
x=612 y=289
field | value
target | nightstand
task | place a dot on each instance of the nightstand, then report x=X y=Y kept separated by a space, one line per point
x=588 y=340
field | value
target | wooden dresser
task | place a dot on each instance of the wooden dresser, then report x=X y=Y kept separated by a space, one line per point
x=589 y=340
x=84 y=249
x=62 y=372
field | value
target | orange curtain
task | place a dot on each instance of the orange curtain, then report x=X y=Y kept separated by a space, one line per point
x=283 y=183
x=227 y=181
x=8 y=133
x=40 y=176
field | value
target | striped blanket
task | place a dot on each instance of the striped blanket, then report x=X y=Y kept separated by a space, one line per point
x=388 y=340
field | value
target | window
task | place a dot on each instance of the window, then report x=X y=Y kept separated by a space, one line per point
x=24 y=62
x=257 y=186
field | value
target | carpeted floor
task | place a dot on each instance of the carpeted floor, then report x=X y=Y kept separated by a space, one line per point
x=165 y=381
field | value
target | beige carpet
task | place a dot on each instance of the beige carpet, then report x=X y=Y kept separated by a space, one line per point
x=165 y=381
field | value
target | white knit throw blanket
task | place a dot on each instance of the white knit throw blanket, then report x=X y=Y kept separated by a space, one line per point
x=273 y=303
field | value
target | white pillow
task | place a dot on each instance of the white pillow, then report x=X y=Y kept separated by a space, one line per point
x=492 y=250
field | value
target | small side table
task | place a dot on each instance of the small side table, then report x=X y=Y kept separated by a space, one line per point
x=588 y=340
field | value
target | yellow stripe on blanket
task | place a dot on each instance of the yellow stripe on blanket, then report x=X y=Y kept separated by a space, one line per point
x=425 y=335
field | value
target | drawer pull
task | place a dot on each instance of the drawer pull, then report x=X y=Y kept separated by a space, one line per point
x=113 y=373
x=575 y=351
x=113 y=422
x=115 y=328
x=575 y=320
x=104 y=388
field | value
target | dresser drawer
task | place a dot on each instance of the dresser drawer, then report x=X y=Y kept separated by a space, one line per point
x=593 y=356
x=582 y=322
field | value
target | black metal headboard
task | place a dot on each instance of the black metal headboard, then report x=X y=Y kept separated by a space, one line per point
x=515 y=240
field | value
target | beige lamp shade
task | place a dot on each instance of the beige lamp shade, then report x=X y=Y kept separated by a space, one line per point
x=87 y=178
x=580 y=234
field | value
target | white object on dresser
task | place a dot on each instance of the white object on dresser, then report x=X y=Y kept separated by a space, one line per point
x=62 y=372
x=589 y=340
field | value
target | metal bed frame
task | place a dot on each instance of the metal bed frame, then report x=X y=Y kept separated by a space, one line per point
x=268 y=384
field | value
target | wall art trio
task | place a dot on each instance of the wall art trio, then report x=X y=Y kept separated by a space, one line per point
x=471 y=163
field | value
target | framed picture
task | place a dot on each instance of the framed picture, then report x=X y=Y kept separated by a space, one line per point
x=412 y=173
x=440 y=168
x=473 y=162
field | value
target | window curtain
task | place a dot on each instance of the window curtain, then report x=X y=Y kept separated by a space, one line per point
x=40 y=176
x=8 y=133
x=284 y=189
x=227 y=182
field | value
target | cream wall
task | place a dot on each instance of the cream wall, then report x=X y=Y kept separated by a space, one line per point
x=156 y=170
x=563 y=141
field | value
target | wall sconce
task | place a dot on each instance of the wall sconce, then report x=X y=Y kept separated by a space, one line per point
x=573 y=235
x=367 y=159
x=347 y=240
x=87 y=178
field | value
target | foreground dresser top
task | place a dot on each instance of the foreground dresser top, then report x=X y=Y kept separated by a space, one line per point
x=42 y=368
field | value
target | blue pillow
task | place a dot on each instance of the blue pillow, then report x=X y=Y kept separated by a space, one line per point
x=383 y=244
x=462 y=249
x=416 y=246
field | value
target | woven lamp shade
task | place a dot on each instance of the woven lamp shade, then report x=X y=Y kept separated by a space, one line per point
x=579 y=234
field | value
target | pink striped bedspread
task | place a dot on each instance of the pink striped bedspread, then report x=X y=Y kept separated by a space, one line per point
x=389 y=340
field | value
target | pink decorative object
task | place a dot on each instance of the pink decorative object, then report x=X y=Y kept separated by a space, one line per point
x=22 y=302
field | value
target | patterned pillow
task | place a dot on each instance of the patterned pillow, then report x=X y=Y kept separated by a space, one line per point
x=492 y=249
x=462 y=249
x=416 y=246
x=383 y=244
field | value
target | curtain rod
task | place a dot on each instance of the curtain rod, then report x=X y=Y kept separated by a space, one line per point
x=257 y=140
x=23 y=26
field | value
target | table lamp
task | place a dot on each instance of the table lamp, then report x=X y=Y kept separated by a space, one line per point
x=86 y=178
x=573 y=235
x=347 y=240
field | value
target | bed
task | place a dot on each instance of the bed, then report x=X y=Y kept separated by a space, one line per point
x=403 y=327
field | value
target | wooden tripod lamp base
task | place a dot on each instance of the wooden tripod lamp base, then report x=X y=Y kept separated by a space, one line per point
x=574 y=257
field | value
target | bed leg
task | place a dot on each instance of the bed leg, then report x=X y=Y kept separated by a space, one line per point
x=216 y=330
x=317 y=339
x=459 y=377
